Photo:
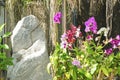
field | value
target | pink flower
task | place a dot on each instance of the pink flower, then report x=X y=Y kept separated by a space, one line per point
x=115 y=42
x=118 y=37
x=76 y=63
x=71 y=38
x=108 y=51
x=64 y=37
x=68 y=38
x=73 y=29
x=64 y=42
x=91 y=25
x=57 y=17
x=78 y=33
x=71 y=34
x=89 y=37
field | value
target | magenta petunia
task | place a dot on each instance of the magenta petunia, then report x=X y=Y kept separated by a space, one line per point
x=91 y=25
x=57 y=17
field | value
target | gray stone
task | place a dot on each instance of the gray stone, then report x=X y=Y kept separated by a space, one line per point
x=22 y=33
x=29 y=51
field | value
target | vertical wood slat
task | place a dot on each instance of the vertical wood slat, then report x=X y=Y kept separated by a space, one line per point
x=98 y=10
x=109 y=15
x=2 y=21
x=64 y=16
x=53 y=29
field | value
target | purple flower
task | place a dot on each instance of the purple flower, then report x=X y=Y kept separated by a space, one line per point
x=57 y=17
x=76 y=63
x=108 y=51
x=119 y=43
x=91 y=25
x=115 y=42
x=64 y=37
x=64 y=42
x=118 y=38
x=89 y=37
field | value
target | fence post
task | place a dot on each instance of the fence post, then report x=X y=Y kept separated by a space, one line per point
x=64 y=16
x=109 y=15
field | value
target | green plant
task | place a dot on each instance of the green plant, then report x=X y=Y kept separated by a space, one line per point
x=85 y=57
x=4 y=60
x=25 y=2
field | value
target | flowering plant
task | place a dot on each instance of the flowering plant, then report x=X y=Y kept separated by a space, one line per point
x=86 y=58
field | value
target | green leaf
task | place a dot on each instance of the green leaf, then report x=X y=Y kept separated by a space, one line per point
x=99 y=48
x=67 y=74
x=118 y=55
x=88 y=75
x=93 y=69
x=111 y=57
x=93 y=43
x=2 y=56
x=81 y=71
x=89 y=50
x=73 y=74
x=54 y=60
x=48 y=67
x=7 y=34
x=105 y=71
x=1 y=27
x=0 y=39
x=118 y=70
x=55 y=78
x=5 y=62
x=5 y=46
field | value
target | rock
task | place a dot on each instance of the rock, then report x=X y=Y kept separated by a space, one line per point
x=29 y=51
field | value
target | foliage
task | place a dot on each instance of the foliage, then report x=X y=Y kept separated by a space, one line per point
x=87 y=57
x=25 y=2
x=4 y=60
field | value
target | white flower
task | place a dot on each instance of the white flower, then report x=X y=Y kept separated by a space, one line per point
x=105 y=30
